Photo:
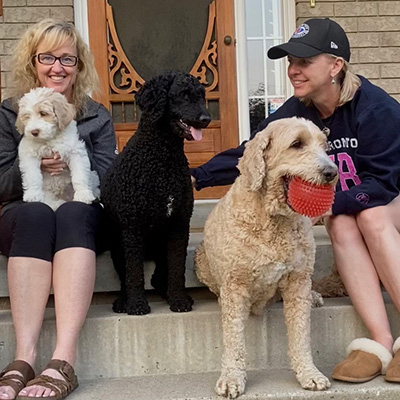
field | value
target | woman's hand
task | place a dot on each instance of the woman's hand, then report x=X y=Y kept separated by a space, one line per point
x=193 y=181
x=53 y=165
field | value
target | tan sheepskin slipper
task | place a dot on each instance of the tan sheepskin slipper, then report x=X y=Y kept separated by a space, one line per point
x=393 y=370
x=365 y=360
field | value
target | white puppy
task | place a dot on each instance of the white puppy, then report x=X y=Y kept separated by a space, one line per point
x=46 y=120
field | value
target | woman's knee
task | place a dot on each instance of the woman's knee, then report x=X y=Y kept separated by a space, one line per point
x=35 y=217
x=342 y=228
x=75 y=212
x=374 y=221
x=77 y=225
x=34 y=231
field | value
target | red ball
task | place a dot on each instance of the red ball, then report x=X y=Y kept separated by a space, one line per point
x=310 y=199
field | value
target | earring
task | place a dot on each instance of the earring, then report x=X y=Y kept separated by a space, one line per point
x=333 y=81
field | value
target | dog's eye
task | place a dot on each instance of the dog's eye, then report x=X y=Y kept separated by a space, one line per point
x=297 y=144
x=43 y=113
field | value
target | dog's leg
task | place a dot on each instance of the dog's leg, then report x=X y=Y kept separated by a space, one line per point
x=32 y=178
x=202 y=269
x=177 y=242
x=79 y=166
x=296 y=294
x=118 y=258
x=159 y=280
x=136 y=302
x=235 y=309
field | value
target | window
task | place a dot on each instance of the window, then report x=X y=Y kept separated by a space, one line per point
x=263 y=84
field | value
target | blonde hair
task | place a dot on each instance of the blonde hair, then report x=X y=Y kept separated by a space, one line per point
x=348 y=81
x=349 y=84
x=53 y=34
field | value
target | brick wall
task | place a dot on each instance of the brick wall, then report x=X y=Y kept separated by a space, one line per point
x=17 y=16
x=373 y=27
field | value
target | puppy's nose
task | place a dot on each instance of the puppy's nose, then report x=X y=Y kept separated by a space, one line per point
x=205 y=119
x=35 y=132
x=329 y=172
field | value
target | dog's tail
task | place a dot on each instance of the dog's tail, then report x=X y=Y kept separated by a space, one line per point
x=330 y=285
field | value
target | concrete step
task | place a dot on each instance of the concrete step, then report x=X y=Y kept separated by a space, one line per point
x=273 y=384
x=107 y=279
x=162 y=342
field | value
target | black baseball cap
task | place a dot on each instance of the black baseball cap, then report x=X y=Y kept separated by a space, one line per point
x=313 y=37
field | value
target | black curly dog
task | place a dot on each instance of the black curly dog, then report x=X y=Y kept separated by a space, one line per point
x=148 y=192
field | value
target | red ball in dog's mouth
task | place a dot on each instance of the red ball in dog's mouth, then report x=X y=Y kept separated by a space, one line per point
x=310 y=199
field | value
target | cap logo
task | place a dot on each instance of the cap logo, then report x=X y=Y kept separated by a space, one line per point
x=301 y=31
x=334 y=45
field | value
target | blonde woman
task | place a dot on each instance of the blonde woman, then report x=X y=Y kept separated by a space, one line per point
x=44 y=248
x=362 y=123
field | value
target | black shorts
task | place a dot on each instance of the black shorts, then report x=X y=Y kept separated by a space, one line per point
x=35 y=230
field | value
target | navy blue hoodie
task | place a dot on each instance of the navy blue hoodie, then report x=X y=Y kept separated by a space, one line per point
x=364 y=143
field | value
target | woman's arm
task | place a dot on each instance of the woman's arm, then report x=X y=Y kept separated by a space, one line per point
x=99 y=136
x=376 y=161
x=10 y=176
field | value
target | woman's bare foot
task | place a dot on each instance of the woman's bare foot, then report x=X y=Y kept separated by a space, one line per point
x=41 y=391
x=7 y=392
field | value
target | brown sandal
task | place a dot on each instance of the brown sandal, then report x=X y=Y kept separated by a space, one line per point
x=61 y=388
x=17 y=382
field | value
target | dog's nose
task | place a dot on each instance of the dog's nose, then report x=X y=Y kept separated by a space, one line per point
x=205 y=119
x=330 y=172
x=35 y=132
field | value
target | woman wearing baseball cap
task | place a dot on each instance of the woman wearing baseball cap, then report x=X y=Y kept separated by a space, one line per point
x=363 y=124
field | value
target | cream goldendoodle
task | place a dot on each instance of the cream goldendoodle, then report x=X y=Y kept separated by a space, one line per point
x=46 y=121
x=255 y=247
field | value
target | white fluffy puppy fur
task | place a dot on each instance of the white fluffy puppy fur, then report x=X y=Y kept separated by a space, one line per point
x=46 y=121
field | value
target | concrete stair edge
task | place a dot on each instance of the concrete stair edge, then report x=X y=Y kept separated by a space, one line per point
x=261 y=385
x=118 y=345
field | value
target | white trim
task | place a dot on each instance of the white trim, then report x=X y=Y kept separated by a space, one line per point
x=372 y=347
x=289 y=26
x=396 y=345
x=81 y=19
x=241 y=71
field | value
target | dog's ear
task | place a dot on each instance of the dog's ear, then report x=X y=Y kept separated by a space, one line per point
x=20 y=125
x=252 y=165
x=152 y=97
x=64 y=111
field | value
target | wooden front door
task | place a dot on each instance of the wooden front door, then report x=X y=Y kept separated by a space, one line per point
x=134 y=40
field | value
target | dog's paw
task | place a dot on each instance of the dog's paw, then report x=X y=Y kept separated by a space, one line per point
x=31 y=196
x=231 y=385
x=119 y=305
x=181 y=303
x=137 y=306
x=316 y=299
x=313 y=380
x=85 y=196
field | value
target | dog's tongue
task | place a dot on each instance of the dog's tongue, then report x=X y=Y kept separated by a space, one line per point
x=196 y=133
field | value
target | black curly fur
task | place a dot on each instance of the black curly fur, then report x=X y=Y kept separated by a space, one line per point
x=137 y=191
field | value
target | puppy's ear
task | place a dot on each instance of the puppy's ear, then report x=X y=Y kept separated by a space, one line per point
x=64 y=111
x=252 y=165
x=152 y=97
x=20 y=125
